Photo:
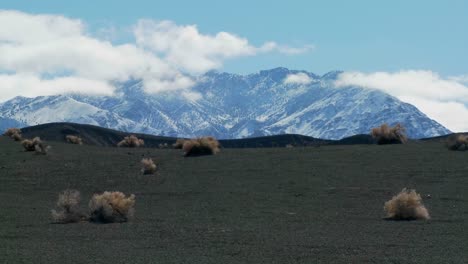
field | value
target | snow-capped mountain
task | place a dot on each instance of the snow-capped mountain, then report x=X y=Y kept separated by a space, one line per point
x=231 y=106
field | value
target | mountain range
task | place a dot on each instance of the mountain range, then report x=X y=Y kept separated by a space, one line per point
x=230 y=106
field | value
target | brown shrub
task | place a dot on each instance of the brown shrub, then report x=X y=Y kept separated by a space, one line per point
x=389 y=135
x=68 y=208
x=148 y=166
x=111 y=207
x=36 y=145
x=200 y=146
x=407 y=205
x=179 y=143
x=457 y=142
x=17 y=137
x=74 y=139
x=14 y=133
x=131 y=142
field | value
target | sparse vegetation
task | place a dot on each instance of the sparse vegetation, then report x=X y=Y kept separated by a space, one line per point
x=111 y=207
x=457 y=142
x=131 y=142
x=74 y=139
x=179 y=143
x=406 y=205
x=389 y=135
x=148 y=166
x=36 y=145
x=201 y=146
x=14 y=133
x=68 y=208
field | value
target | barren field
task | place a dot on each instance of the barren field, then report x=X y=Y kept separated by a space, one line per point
x=276 y=205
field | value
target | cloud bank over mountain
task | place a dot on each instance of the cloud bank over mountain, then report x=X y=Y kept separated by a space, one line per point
x=443 y=99
x=53 y=54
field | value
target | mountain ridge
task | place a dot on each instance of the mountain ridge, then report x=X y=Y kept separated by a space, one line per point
x=232 y=106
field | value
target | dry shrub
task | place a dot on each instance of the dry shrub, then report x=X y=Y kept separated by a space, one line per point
x=36 y=145
x=389 y=135
x=148 y=166
x=111 y=207
x=74 y=139
x=179 y=143
x=457 y=142
x=407 y=205
x=68 y=208
x=14 y=133
x=131 y=142
x=201 y=146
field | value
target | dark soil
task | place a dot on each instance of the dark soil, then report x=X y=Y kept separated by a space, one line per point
x=267 y=205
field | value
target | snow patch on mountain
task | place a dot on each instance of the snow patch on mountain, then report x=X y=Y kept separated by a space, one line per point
x=231 y=106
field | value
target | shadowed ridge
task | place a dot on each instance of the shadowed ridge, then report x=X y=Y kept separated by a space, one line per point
x=99 y=136
x=443 y=138
x=293 y=140
x=361 y=139
x=91 y=135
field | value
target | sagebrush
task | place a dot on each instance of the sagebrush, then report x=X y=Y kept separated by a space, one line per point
x=74 y=139
x=457 y=142
x=68 y=208
x=179 y=143
x=36 y=145
x=201 y=146
x=148 y=166
x=14 y=133
x=389 y=135
x=406 y=205
x=131 y=142
x=111 y=207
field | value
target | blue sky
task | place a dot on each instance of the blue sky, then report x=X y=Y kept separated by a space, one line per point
x=414 y=50
x=348 y=35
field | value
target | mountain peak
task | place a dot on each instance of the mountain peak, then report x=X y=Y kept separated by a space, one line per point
x=332 y=75
x=232 y=106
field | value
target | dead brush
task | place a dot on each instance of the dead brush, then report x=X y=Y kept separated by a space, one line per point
x=74 y=139
x=406 y=205
x=457 y=142
x=68 y=208
x=14 y=133
x=148 y=166
x=179 y=143
x=201 y=146
x=111 y=207
x=389 y=135
x=36 y=145
x=131 y=142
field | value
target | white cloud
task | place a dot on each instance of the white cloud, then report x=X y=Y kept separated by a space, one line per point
x=32 y=85
x=185 y=48
x=49 y=45
x=273 y=46
x=58 y=55
x=461 y=79
x=452 y=114
x=444 y=100
x=298 y=78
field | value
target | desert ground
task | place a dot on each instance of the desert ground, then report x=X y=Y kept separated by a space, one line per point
x=320 y=204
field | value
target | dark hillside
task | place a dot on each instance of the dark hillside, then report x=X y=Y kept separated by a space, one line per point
x=91 y=135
